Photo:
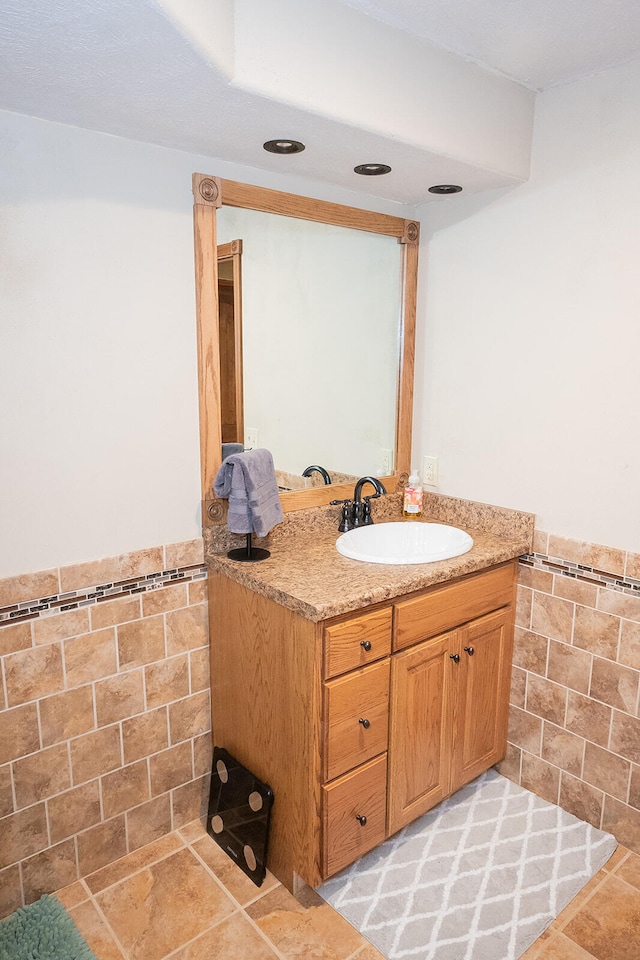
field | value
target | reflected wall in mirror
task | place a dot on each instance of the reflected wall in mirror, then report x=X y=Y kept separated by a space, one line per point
x=306 y=324
x=321 y=310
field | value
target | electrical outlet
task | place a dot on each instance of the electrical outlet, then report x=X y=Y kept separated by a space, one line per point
x=251 y=438
x=386 y=462
x=430 y=471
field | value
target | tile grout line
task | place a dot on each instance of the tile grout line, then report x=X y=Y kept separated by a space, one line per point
x=572 y=570
x=583 y=905
x=240 y=907
x=212 y=873
x=360 y=950
x=74 y=883
x=583 y=901
x=98 y=728
x=556 y=932
x=132 y=873
x=558 y=937
x=92 y=597
x=586 y=739
x=108 y=926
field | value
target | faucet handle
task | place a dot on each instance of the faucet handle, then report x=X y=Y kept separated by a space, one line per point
x=357 y=513
x=346 y=520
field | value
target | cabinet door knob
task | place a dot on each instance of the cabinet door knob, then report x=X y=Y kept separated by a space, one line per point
x=469 y=650
x=455 y=657
x=366 y=645
x=365 y=723
x=362 y=820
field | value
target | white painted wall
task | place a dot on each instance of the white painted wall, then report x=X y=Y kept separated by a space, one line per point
x=528 y=359
x=98 y=352
x=99 y=449
x=320 y=337
x=527 y=383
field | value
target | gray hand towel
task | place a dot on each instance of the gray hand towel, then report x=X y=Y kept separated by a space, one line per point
x=228 y=449
x=248 y=481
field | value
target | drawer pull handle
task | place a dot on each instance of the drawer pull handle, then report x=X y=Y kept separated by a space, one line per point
x=365 y=723
x=455 y=657
x=469 y=650
x=366 y=645
x=361 y=820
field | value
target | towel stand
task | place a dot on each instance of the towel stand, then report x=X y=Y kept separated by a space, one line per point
x=248 y=554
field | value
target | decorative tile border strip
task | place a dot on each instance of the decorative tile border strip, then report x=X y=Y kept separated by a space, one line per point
x=580 y=571
x=88 y=596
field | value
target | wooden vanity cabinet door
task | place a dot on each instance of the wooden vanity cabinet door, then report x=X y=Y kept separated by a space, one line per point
x=353 y=815
x=356 y=708
x=481 y=701
x=420 y=729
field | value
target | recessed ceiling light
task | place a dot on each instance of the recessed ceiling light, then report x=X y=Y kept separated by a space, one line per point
x=283 y=146
x=444 y=188
x=372 y=169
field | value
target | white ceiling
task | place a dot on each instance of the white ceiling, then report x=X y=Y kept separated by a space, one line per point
x=539 y=43
x=132 y=69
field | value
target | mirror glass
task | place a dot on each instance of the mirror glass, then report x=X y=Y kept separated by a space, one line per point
x=321 y=318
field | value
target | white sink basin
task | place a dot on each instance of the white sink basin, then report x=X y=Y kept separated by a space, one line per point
x=411 y=541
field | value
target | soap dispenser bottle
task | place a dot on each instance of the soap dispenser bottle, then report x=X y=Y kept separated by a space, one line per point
x=412 y=502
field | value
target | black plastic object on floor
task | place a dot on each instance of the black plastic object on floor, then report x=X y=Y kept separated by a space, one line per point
x=239 y=814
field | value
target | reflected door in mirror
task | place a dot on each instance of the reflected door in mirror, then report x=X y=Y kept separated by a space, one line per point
x=230 y=332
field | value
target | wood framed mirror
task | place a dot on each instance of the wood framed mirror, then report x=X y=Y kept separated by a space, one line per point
x=219 y=338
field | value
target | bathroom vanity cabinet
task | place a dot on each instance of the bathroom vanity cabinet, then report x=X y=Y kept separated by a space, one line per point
x=362 y=722
x=450 y=692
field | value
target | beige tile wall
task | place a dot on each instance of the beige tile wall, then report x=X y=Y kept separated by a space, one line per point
x=105 y=737
x=574 y=730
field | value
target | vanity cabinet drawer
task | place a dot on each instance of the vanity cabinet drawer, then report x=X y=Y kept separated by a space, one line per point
x=357 y=642
x=356 y=717
x=449 y=606
x=353 y=815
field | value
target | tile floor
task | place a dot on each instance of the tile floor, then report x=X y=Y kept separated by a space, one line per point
x=602 y=921
x=181 y=897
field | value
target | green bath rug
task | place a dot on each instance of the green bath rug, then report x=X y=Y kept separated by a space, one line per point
x=42 y=931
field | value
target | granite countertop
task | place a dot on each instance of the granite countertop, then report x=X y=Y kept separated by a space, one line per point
x=306 y=573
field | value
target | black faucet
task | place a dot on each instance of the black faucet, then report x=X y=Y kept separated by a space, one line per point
x=357 y=512
x=379 y=488
x=321 y=470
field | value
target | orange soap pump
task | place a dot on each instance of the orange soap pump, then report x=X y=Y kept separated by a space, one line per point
x=412 y=502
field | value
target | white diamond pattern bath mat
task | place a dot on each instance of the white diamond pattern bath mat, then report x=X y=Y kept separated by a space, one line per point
x=477 y=878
